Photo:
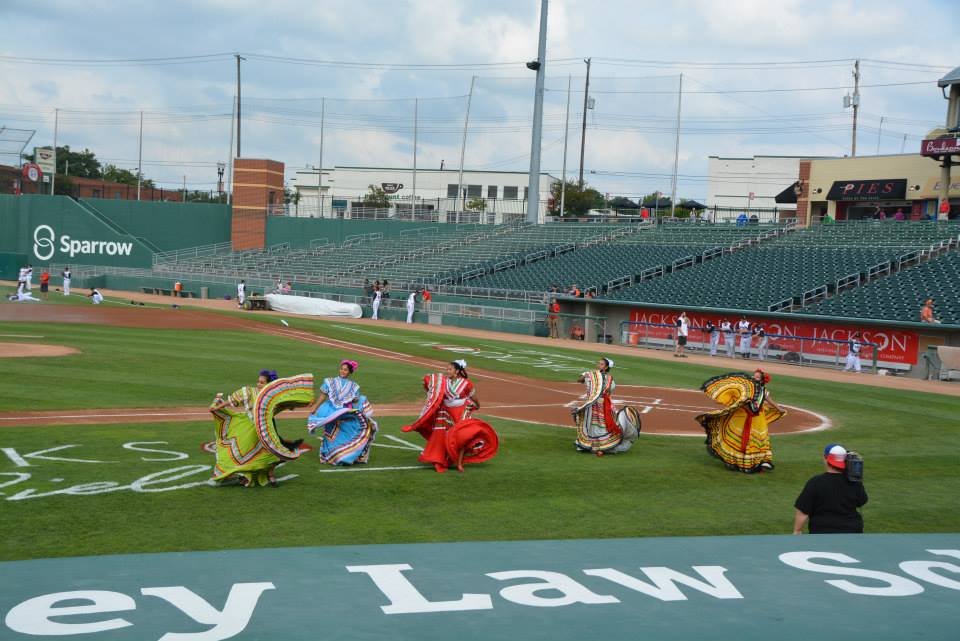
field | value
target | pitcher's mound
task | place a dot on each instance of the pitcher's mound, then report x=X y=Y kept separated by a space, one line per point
x=27 y=350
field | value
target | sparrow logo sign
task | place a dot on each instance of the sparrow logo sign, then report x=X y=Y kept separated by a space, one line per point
x=45 y=245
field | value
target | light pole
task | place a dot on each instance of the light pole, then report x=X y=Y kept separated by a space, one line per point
x=540 y=66
x=221 y=167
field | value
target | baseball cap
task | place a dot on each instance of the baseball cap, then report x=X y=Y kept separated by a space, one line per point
x=836 y=455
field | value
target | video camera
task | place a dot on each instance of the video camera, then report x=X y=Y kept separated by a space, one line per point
x=853 y=469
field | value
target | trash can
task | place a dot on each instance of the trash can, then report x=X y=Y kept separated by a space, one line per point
x=204 y=292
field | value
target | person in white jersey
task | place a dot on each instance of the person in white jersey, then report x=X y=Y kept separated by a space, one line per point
x=683 y=330
x=241 y=293
x=66 y=281
x=377 y=297
x=726 y=328
x=411 y=305
x=746 y=336
x=95 y=296
x=854 y=345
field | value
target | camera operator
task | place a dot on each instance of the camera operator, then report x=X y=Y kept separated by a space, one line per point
x=830 y=500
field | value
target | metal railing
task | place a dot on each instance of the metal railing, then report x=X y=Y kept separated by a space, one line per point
x=780 y=348
x=201 y=251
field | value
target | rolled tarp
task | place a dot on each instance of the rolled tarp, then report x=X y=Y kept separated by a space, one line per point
x=312 y=306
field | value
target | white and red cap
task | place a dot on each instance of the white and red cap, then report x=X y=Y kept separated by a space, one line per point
x=836 y=455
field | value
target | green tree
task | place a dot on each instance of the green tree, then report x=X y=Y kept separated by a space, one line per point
x=115 y=174
x=622 y=202
x=477 y=204
x=376 y=198
x=290 y=196
x=577 y=201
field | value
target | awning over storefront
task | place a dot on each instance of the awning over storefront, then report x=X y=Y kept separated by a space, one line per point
x=859 y=190
x=788 y=196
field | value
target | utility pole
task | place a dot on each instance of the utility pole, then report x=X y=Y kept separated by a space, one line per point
x=239 y=58
x=879 y=132
x=463 y=145
x=904 y=143
x=676 y=152
x=583 y=131
x=413 y=201
x=323 y=119
x=184 y=201
x=856 y=105
x=229 y=186
x=56 y=127
x=566 y=132
x=140 y=157
x=533 y=183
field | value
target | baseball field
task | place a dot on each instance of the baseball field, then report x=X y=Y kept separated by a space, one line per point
x=161 y=366
x=103 y=423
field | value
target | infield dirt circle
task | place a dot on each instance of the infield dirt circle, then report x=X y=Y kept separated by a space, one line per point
x=33 y=350
x=507 y=396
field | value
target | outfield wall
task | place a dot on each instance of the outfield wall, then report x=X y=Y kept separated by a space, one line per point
x=902 y=344
x=298 y=232
x=57 y=229
x=42 y=229
x=169 y=226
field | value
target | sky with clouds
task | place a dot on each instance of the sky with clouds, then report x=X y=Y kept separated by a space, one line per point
x=430 y=49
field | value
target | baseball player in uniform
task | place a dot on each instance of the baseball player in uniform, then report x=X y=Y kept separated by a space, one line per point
x=95 y=296
x=854 y=345
x=241 y=292
x=66 y=281
x=411 y=305
x=746 y=337
x=761 y=333
x=29 y=277
x=726 y=328
x=714 y=335
x=377 y=297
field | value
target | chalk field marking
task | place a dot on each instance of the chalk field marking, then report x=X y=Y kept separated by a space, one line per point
x=20 y=336
x=407 y=445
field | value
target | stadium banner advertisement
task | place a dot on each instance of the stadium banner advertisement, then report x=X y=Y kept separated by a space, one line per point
x=819 y=341
x=876 y=587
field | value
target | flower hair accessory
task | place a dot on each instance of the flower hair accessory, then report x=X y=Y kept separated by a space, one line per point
x=763 y=375
x=269 y=374
x=460 y=363
x=353 y=365
x=609 y=362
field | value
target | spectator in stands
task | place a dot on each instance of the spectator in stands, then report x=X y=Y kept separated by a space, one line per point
x=761 y=333
x=829 y=501
x=368 y=289
x=746 y=337
x=286 y=289
x=589 y=294
x=279 y=286
x=742 y=220
x=177 y=289
x=683 y=331
x=899 y=215
x=385 y=288
x=576 y=333
x=926 y=313
x=426 y=300
x=553 y=311
x=729 y=336
x=713 y=335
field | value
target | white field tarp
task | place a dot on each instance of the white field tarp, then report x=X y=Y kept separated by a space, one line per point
x=312 y=306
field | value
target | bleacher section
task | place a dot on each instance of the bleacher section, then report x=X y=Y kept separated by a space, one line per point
x=623 y=258
x=433 y=255
x=899 y=297
x=795 y=269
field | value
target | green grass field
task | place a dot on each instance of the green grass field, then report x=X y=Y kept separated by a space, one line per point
x=538 y=487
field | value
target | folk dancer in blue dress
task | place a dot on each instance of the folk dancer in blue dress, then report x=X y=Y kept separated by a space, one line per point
x=345 y=418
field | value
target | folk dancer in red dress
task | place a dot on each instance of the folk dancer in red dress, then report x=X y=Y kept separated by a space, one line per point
x=453 y=436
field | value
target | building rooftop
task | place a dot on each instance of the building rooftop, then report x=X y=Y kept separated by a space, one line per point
x=952 y=78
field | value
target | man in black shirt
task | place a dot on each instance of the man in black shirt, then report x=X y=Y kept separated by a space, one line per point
x=830 y=501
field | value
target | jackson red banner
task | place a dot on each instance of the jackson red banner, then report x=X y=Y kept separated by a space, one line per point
x=801 y=336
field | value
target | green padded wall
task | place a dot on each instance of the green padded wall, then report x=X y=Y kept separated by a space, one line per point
x=169 y=225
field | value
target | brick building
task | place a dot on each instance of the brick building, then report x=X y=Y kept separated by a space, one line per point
x=11 y=179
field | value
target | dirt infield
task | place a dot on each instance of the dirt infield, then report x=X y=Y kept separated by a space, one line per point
x=664 y=410
x=30 y=350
